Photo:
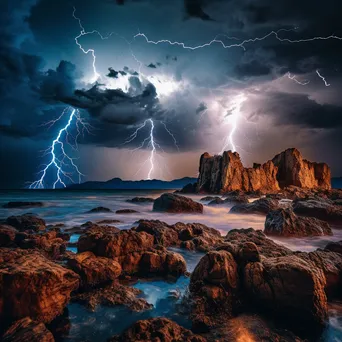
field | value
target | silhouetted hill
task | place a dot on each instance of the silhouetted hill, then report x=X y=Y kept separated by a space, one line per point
x=119 y=184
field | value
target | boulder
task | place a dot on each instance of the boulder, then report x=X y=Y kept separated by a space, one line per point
x=27 y=330
x=189 y=188
x=288 y=287
x=23 y=205
x=216 y=201
x=173 y=203
x=99 y=210
x=284 y=222
x=31 y=285
x=213 y=289
x=261 y=206
x=94 y=270
x=114 y=294
x=157 y=329
x=26 y=222
x=240 y=199
x=209 y=198
x=126 y=211
x=318 y=208
x=334 y=247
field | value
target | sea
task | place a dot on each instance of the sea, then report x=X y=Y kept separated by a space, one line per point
x=71 y=209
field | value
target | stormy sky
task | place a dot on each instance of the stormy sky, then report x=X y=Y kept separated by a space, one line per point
x=259 y=97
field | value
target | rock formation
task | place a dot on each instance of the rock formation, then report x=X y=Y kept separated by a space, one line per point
x=220 y=174
x=172 y=203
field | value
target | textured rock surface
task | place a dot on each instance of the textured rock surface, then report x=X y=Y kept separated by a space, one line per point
x=114 y=294
x=289 y=287
x=284 y=222
x=31 y=285
x=7 y=235
x=94 y=270
x=26 y=330
x=318 y=208
x=173 y=203
x=26 y=222
x=219 y=174
x=260 y=206
x=157 y=329
x=140 y=200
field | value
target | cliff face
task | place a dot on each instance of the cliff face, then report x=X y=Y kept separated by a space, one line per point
x=226 y=173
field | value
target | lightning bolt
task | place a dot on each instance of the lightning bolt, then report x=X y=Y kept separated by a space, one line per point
x=323 y=79
x=233 y=116
x=293 y=78
x=60 y=161
x=239 y=45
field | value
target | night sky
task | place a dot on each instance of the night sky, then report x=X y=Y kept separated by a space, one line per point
x=280 y=94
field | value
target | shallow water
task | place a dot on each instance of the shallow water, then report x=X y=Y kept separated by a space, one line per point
x=70 y=207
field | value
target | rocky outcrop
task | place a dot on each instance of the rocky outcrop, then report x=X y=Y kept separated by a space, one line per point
x=31 y=285
x=134 y=251
x=26 y=222
x=99 y=210
x=23 y=205
x=220 y=174
x=319 y=208
x=7 y=235
x=157 y=329
x=284 y=222
x=294 y=170
x=261 y=206
x=141 y=200
x=192 y=236
x=173 y=203
x=94 y=270
x=126 y=211
x=26 y=330
x=114 y=294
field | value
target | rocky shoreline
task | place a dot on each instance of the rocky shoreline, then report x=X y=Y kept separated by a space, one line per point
x=245 y=284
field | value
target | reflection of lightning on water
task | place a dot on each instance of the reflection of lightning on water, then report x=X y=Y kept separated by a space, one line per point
x=60 y=162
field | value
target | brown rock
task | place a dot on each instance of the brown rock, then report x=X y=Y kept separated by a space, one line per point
x=7 y=235
x=157 y=329
x=28 y=277
x=261 y=206
x=94 y=270
x=318 y=208
x=284 y=222
x=26 y=222
x=26 y=330
x=172 y=203
x=334 y=247
x=290 y=288
x=114 y=294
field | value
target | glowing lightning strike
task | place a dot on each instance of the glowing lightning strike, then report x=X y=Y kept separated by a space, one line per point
x=61 y=160
x=293 y=78
x=233 y=115
x=323 y=78
x=241 y=44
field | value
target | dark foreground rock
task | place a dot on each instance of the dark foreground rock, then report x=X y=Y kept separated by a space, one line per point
x=26 y=330
x=260 y=206
x=157 y=329
x=173 y=203
x=99 y=210
x=31 y=285
x=23 y=205
x=114 y=294
x=216 y=201
x=318 y=208
x=284 y=222
x=26 y=222
x=7 y=235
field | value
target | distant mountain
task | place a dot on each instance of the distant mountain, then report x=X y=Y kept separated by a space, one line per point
x=119 y=184
x=336 y=183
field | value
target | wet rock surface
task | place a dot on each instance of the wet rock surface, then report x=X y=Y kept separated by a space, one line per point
x=157 y=329
x=99 y=210
x=28 y=277
x=141 y=200
x=26 y=222
x=284 y=222
x=126 y=211
x=27 y=330
x=173 y=203
x=23 y=205
x=261 y=206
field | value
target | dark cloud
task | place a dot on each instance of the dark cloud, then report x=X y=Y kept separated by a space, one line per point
x=194 y=9
x=115 y=74
x=201 y=108
x=253 y=68
x=152 y=66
